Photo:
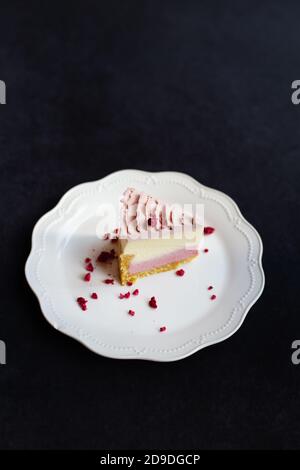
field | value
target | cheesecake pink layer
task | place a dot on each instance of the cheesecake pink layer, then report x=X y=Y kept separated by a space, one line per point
x=177 y=255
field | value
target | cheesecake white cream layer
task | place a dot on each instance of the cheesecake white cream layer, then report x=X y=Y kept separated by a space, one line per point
x=145 y=250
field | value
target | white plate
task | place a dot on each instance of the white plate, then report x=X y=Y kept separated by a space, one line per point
x=67 y=234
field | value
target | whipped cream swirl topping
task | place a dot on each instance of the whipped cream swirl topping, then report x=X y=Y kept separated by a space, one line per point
x=141 y=214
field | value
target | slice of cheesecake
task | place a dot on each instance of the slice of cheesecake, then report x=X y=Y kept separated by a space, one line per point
x=154 y=236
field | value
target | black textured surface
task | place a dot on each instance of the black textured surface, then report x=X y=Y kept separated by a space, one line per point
x=197 y=87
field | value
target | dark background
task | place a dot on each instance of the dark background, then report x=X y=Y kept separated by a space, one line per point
x=198 y=87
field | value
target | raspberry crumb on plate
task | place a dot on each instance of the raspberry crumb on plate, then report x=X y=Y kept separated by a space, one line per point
x=208 y=230
x=152 y=302
x=82 y=303
x=89 y=267
x=124 y=296
x=180 y=272
x=106 y=256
